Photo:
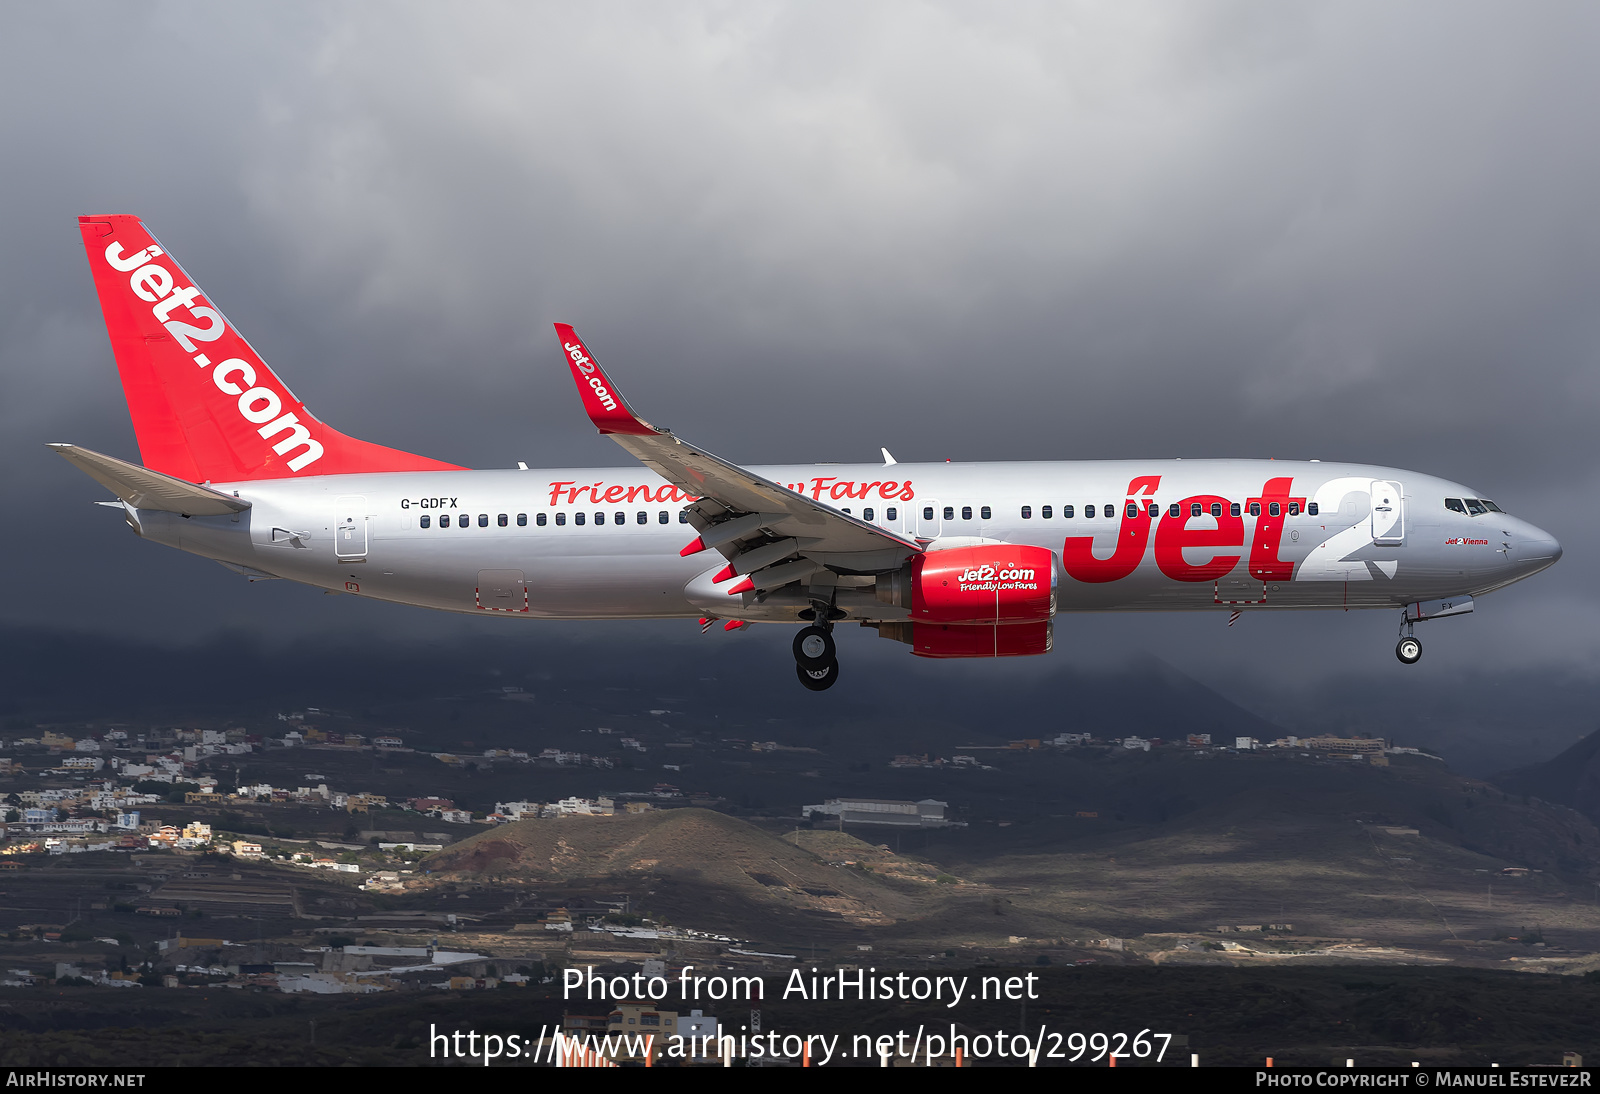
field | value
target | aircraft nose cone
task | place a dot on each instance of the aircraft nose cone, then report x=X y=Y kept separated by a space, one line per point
x=1537 y=545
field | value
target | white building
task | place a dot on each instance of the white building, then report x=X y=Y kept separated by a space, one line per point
x=927 y=813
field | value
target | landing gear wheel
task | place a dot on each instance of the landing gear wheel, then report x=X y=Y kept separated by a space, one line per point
x=818 y=679
x=813 y=648
x=1409 y=650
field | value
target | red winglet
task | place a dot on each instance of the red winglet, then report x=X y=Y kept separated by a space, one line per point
x=743 y=587
x=607 y=409
x=723 y=574
x=694 y=548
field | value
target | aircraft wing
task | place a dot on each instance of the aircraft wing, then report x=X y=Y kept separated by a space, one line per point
x=735 y=504
x=143 y=488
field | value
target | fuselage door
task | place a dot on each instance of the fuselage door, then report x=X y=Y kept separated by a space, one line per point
x=929 y=520
x=1388 y=512
x=350 y=529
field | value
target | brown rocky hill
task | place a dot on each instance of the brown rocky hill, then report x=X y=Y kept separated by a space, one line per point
x=694 y=868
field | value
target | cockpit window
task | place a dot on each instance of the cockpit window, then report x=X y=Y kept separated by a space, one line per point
x=1455 y=505
x=1475 y=507
x=1491 y=506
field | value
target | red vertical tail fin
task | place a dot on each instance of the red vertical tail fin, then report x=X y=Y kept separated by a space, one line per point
x=205 y=406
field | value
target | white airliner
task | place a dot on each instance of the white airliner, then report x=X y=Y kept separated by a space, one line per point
x=956 y=560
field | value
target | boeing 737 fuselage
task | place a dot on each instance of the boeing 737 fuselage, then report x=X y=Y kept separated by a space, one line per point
x=957 y=560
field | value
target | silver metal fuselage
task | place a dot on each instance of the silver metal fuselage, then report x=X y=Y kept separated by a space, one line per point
x=380 y=535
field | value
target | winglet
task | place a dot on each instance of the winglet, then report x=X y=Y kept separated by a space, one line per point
x=606 y=408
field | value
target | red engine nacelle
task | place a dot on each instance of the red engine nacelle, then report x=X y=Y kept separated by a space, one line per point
x=990 y=583
x=965 y=640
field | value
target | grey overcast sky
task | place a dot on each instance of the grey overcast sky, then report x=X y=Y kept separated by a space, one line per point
x=1360 y=231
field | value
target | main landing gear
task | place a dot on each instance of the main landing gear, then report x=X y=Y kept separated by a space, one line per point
x=816 y=659
x=1408 y=649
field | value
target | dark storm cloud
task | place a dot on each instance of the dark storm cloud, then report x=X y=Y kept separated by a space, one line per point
x=802 y=231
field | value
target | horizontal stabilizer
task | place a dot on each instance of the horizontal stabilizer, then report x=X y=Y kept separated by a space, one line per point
x=143 y=488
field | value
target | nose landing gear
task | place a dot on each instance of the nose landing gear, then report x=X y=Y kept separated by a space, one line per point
x=1408 y=649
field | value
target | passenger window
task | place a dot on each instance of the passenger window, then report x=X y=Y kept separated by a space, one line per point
x=949 y=512
x=1152 y=509
x=539 y=520
x=578 y=519
x=966 y=512
x=927 y=512
x=1174 y=510
x=1027 y=512
x=561 y=520
x=891 y=514
x=522 y=520
x=483 y=520
x=1311 y=509
x=1066 y=512
x=1233 y=510
x=425 y=520
x=866 y=514
x=1274 y=509
x=1194 y=509
x=1294 y=509
x=643 y=517
x=1088 y=511
x=1455 y=505
x=502 y=520
x=683 y=516
x=463 y=520
x=985 y=513
x=1045 y=512
x=1255 y=509
x=846 y=511
x=444 y=520
x=663 y=517
x=619 y=518
x=599 y=518
x=1216 y=508
x=1475 y=507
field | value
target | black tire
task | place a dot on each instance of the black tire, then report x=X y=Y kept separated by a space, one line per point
x=818 y=679
x=1409 y=650
x=814 y=648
